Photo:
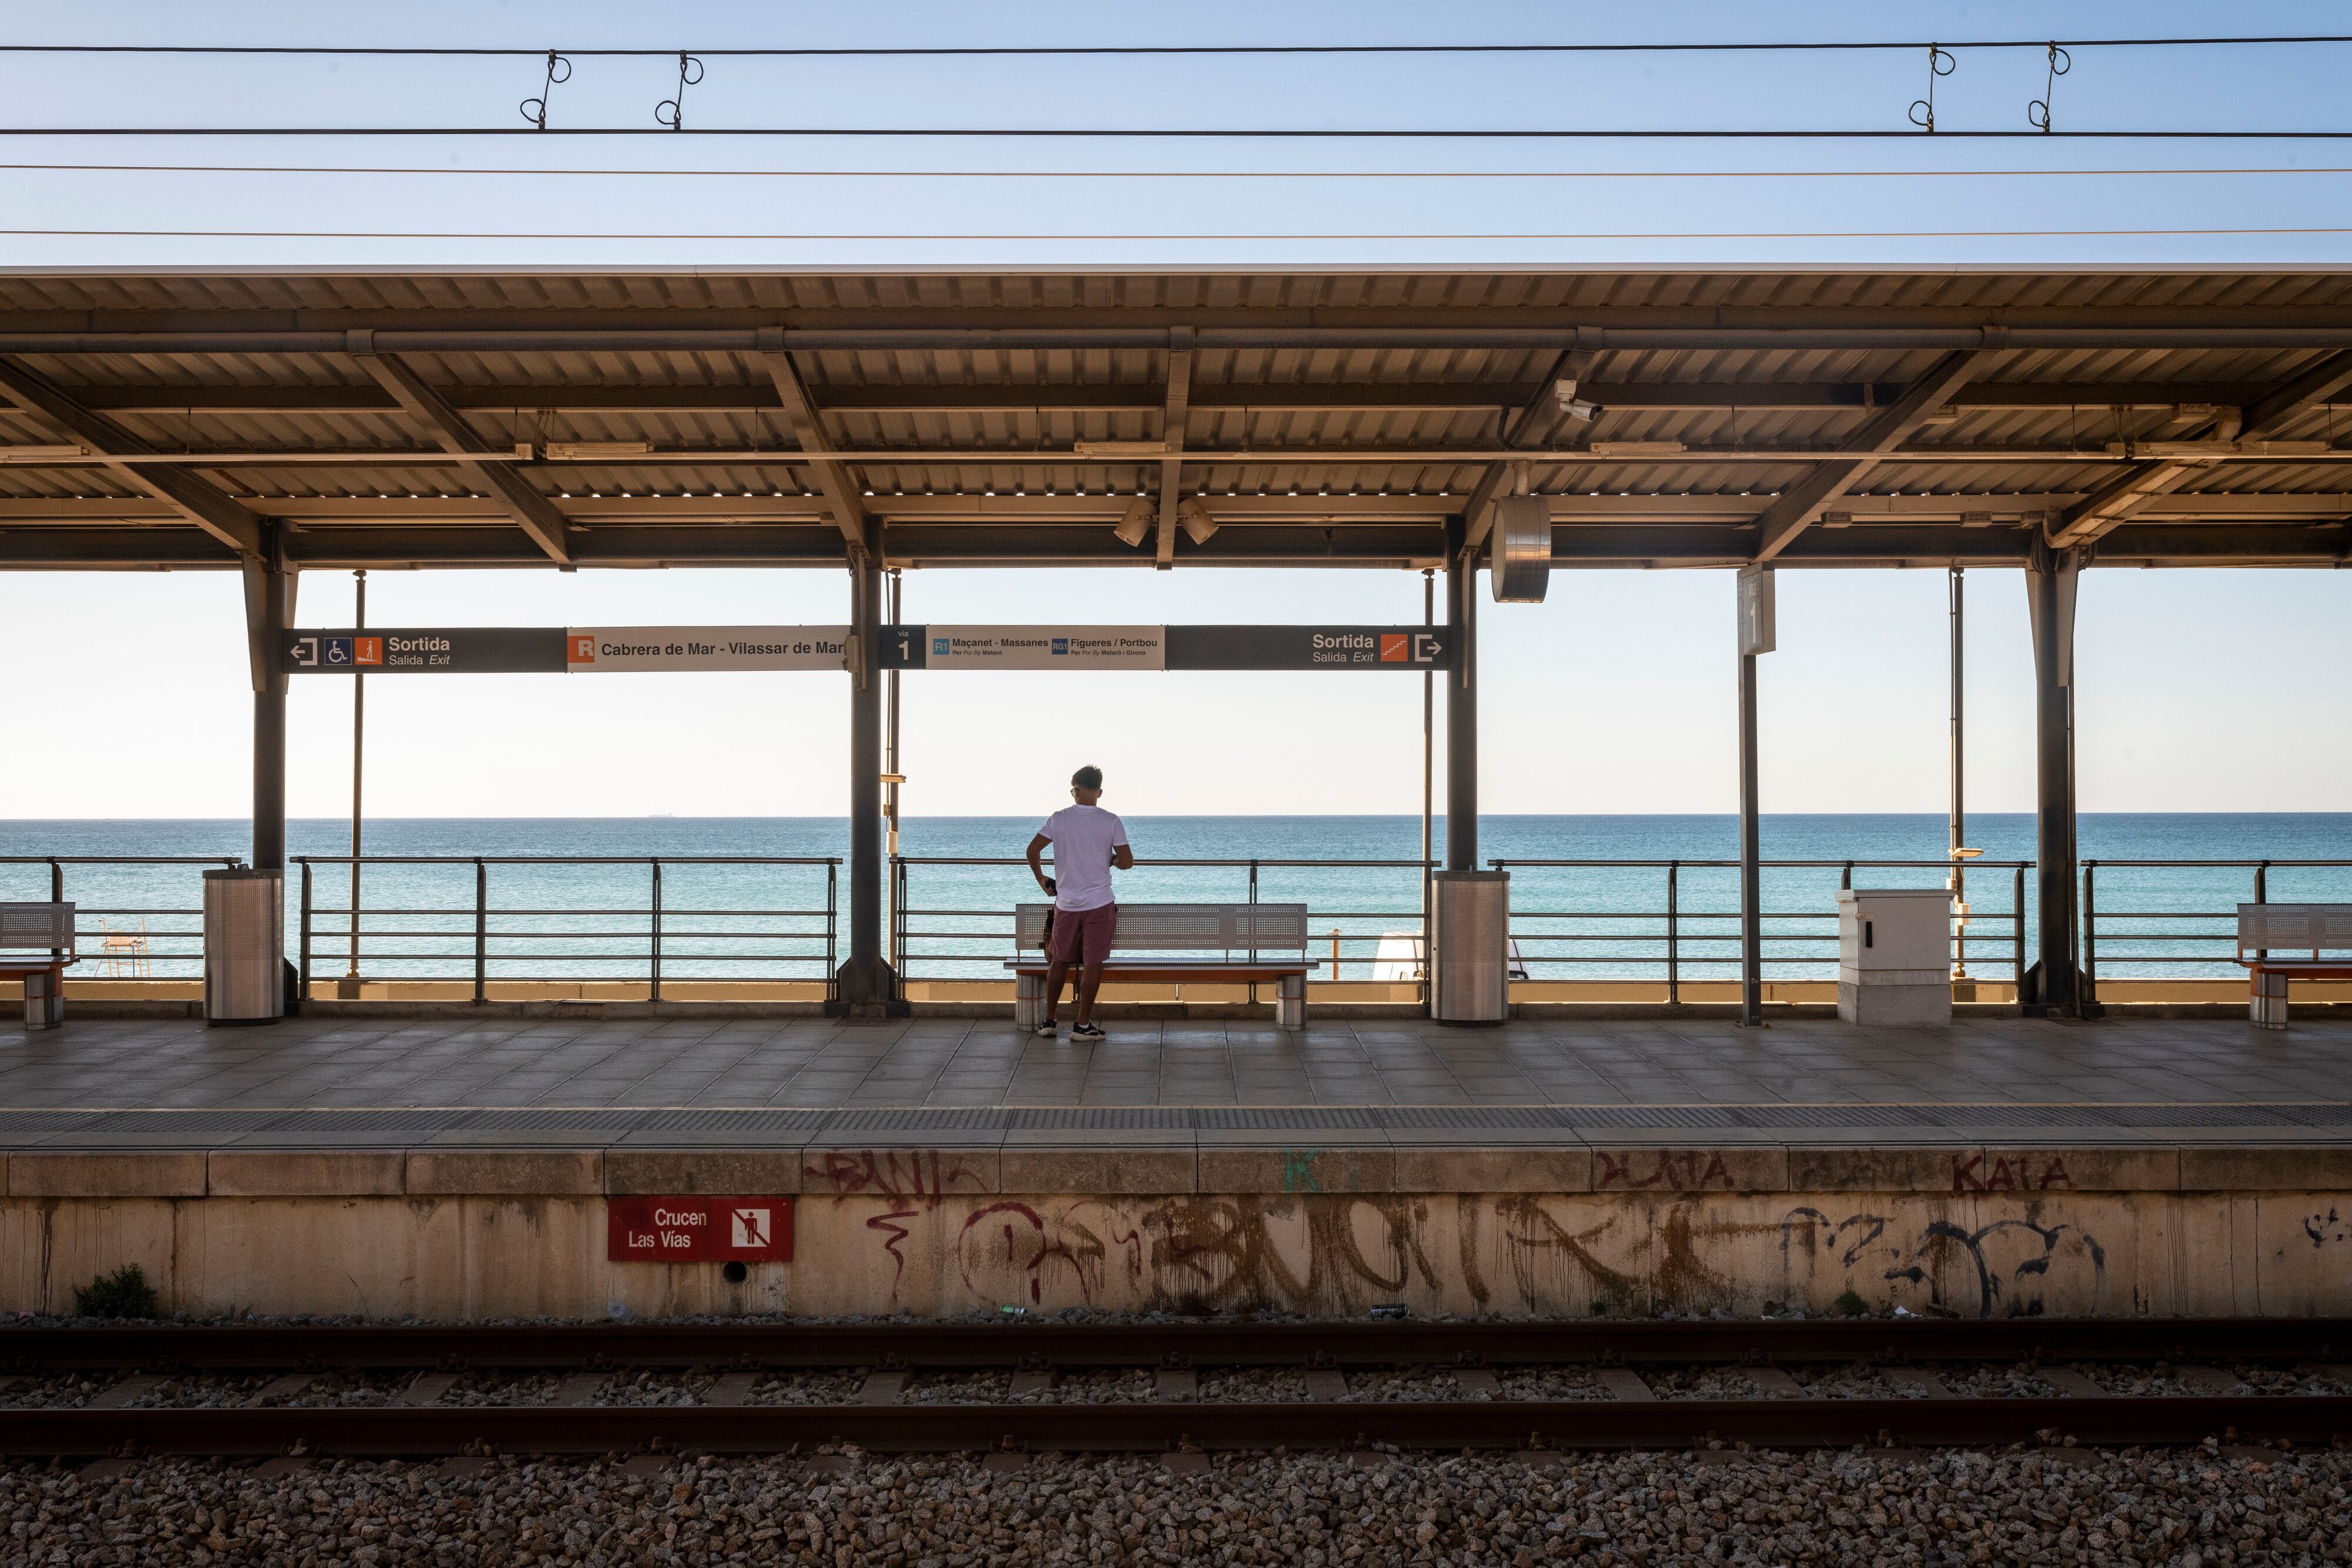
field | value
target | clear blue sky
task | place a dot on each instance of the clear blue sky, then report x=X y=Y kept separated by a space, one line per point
x=2200 y=690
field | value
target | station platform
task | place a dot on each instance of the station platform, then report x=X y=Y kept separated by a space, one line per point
x=465 y=1167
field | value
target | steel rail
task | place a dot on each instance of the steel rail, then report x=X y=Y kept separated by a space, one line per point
x=1157 y=1427
x=1359 y=1342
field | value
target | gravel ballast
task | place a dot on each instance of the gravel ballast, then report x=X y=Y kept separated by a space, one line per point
x=2192 y=1508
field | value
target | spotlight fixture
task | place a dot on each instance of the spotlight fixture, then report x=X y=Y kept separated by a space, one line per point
x=1193 y=516
x=1136 y=523
x=590 y=451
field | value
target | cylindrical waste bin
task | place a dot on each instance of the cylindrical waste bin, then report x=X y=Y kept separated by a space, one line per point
x=244 y=946
x=1470 y=936
x=45 y=998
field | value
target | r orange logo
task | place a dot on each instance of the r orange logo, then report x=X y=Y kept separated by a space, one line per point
x=1392 y=647
x=584 y=651
x=367 y=651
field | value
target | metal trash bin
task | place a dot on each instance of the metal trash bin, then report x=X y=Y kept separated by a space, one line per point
x=244 y=946
x=1895 y=954
x=1470 y=928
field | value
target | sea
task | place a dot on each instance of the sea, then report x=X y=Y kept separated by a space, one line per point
x=748 y=898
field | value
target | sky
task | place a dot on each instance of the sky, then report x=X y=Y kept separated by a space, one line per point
x=2198 y=690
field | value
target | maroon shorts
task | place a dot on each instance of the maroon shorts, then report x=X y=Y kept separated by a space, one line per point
x=1083 y=937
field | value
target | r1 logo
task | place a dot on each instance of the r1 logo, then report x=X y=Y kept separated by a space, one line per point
x=939 y=645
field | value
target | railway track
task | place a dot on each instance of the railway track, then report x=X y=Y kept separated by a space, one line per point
x=419 y=1390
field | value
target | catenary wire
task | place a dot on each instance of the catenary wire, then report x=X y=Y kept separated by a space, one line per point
x=1062 y=238
x=959 y=50
x=1162 y=173
x=1170 y=134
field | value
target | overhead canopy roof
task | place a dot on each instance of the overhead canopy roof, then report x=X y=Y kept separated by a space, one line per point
x=1318 y=419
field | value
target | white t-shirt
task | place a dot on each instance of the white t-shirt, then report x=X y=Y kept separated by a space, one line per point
x=1083 y=838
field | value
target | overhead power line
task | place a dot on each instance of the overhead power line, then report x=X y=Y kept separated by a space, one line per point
x=1157 y=173
x=1062 y=239
x=1046 y=50
x=1171 y=134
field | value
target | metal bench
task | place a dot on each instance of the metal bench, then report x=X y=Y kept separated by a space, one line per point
x=1252 y=943
x=49 y=930
x=2280 y=943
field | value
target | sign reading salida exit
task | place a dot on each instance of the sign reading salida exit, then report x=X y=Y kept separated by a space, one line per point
x=698 y=1229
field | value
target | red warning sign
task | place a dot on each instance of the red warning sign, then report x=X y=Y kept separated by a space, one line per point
x=698 y=1229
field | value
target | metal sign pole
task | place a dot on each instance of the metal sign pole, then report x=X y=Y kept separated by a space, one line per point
x=1428 y=760
x=891 y=774
x=359 y=754
x=1959 y=812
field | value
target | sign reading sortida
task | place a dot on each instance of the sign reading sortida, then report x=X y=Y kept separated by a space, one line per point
x=593 y=649
x=435 y=651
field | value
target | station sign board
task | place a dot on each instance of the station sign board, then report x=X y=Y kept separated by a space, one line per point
x=400 y=650
x=591 y=650
x=1024 y=648
x=698 y=1229
x=504 y=650
x=1302 y=647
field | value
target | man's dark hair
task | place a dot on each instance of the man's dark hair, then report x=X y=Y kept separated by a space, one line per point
x=1088 y=777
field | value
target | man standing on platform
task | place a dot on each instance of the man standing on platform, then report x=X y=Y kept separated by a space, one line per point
x=1087 y=842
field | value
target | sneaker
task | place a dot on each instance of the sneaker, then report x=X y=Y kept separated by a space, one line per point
x=1087 y=1032
x=1046 y=1029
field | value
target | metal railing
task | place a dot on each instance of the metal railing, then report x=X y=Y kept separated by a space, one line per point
x=2161 y=941
x=124 y=934
x=1342 y=937
x=1674 y=941
x=574 y=930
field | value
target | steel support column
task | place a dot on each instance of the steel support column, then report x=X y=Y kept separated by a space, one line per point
x=1751 y=890
x=2052 y=987
x=869 y=986
x=1462 y=703
x=269 y=610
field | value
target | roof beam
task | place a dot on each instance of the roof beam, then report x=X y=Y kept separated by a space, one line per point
x=1081 y=397
x=2128 y=494
x=1802 y=503
x=532 y=512
x=842 y=491
x=1175 y=412
x=186 y=494
x=1532 y=420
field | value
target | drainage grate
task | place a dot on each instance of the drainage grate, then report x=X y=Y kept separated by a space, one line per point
x=1100 y=1119
x=1648 y=1116
x=753 y=1120
x=368 y=1120
x=919 y=1119
x=1841 y=1115
x=585 y=1121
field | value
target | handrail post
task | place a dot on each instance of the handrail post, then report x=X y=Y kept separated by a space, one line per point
x=2016 y=930
x=2090 y=934
x=832 y=921
x=1845 y=878
x=481 y=932
x=305 y=992
x=1674 y=933
x=656 y=930
x=58 y=894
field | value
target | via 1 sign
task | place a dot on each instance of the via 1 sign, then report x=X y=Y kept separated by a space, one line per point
x=698 y=1229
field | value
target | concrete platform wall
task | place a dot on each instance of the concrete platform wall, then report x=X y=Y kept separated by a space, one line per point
x=458 y=1234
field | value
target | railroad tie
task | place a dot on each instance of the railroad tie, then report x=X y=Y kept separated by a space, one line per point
x=2206 y=1380
x=281 y=1389
x=1477 y=1383
x=1030 y=1380
x=881 y=1388
x=124 y=1392
x=1326 y=1385
x=1177 y=1384
x=580 y=1388
x=1922 y=1382
x=426 y=1390
x=732 y=1388
x=1774 y=1382
x=1622 y=1383
x=2069 y=1382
